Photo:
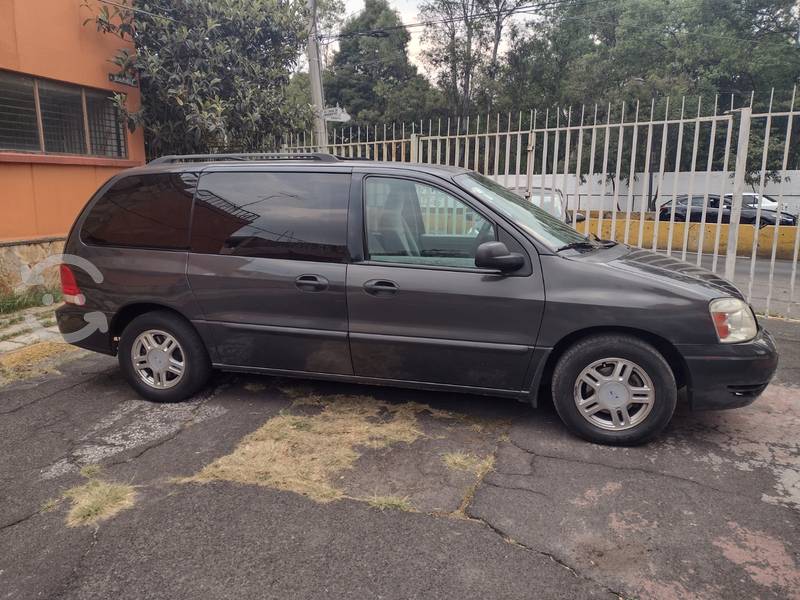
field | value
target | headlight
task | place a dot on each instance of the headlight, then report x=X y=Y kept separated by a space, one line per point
x=733 y=320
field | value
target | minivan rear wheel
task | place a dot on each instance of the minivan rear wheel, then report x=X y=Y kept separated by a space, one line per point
x=163 y=358
x=614 y=389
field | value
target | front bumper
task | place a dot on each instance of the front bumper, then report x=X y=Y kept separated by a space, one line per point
x=729 y=375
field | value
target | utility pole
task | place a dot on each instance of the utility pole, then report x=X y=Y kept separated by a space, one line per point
x=315 y=75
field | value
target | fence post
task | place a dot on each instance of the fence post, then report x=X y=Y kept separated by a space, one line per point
x=414 y=147
x=738 y=187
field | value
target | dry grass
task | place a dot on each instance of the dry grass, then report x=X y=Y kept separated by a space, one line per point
x=49 y=504
x=481 y=468
x=91 y=471
x=97 y=501
x=255 y=387
x=391 y=503
x=303 y=453
x=33 y=360
x=464 y=461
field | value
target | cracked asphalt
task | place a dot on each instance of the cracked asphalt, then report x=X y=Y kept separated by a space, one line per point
x=709 y=510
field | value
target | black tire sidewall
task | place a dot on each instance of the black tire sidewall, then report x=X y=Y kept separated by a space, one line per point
x=198 y=363
x=589 y=350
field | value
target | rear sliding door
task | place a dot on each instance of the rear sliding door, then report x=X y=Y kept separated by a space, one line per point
x=267 y=264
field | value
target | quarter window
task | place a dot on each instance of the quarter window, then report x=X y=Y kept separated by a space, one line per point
x=300 y=216
x=414 y=223
x=144 y=211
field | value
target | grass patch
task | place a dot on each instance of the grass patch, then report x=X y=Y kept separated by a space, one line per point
x=50 y=504
x=255 y=387
x=303 y=452
x=13 y=320
x=32 y=360
x=91 y=471
x=9 y=336
x=391 y=503
x=464 y=461
x=13 y=302
x=48 y=322
x=97 y=500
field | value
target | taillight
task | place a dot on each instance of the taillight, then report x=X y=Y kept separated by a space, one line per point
x=69 y=287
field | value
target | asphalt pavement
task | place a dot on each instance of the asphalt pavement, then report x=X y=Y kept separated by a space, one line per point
x=709 y=510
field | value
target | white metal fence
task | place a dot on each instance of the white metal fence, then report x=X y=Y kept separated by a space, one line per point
x=669 y=177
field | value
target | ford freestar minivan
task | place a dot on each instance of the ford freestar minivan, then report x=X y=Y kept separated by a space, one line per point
x=397 y=274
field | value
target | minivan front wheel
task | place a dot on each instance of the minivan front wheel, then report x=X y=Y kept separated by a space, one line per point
x=163 y=357
x=614 y=389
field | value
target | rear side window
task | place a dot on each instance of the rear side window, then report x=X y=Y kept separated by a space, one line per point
x=144 y=211
x=300 y=216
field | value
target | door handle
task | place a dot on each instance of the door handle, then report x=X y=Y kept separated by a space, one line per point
x=311 y=283
x=381 y=287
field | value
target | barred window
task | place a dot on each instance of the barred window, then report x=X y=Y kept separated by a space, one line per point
x=62 y=118
x=18 y=129
x=106 y=130
x=38 y=115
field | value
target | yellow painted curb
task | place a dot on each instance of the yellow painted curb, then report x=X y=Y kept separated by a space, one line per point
x=642 y=233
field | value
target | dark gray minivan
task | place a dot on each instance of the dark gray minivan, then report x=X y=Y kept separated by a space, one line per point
x=397 y=274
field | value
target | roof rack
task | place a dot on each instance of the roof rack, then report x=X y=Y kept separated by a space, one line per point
x=178 y=158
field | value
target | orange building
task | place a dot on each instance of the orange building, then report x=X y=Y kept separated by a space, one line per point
x=60 y=135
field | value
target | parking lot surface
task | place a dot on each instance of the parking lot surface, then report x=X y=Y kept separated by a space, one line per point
x=268 y=488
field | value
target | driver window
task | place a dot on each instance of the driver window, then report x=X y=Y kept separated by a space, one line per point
x=414 y=223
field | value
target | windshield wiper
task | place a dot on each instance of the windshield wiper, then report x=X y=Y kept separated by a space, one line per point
x=576 y=245
x=589 y=244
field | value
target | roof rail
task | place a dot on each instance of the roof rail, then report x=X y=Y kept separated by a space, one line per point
x=178 y=158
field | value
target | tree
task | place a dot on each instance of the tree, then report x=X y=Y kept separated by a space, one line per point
x=457 y=31
x=371 y=76
x=213 y=74
x=500 y=12
x=581 y=53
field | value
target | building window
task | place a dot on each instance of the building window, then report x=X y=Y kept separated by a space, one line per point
x=38 y=115
x=18 y=128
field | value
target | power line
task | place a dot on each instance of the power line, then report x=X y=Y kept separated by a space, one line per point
x=522 y=9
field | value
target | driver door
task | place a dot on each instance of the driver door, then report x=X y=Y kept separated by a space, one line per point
x=419 y=309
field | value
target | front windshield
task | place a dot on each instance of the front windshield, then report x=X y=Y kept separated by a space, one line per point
x=537 y=222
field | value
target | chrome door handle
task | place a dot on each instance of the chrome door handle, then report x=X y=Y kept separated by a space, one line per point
x=380 y=287
x=311 y=283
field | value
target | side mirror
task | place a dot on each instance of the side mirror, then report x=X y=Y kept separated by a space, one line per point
x=495 y=255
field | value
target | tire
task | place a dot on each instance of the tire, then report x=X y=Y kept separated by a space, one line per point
x=588 y=373
x=161 y=365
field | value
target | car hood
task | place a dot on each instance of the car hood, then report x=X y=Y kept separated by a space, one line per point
x=643 y=263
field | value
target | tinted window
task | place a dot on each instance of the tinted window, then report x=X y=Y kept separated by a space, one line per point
x=301 y=216
x=147 y=211
x=414 y=223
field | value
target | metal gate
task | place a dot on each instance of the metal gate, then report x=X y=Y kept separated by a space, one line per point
x=719 y=186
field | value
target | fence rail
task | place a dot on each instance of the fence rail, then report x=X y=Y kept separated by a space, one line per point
x=719 y=186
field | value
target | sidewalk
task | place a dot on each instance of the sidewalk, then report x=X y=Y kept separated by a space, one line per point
x=26 y=327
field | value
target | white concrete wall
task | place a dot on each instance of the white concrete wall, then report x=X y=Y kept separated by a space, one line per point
x=684 y=183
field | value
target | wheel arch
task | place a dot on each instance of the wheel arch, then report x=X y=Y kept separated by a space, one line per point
x=129 y=312
x=670 y=353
